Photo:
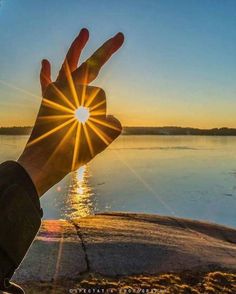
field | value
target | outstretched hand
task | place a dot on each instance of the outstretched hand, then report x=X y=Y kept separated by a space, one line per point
x=72 y=125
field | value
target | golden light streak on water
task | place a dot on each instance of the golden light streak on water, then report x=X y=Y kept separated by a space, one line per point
x=80 y=199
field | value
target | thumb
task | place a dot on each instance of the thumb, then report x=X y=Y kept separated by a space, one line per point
x=45 y=75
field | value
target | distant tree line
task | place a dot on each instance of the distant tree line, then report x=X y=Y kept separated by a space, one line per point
x=142 y=131
x=15 y=130
x=178 y=131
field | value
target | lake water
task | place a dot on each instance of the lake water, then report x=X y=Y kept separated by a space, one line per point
x=185 y=176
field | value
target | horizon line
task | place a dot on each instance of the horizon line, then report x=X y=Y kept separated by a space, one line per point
x=128 y=126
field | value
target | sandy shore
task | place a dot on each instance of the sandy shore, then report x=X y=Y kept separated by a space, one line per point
x=116 y=250
x=171 y=283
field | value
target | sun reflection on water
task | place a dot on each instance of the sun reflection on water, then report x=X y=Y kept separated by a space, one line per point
x=81 y=200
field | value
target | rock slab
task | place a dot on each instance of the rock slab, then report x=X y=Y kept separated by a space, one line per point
x=115 y=244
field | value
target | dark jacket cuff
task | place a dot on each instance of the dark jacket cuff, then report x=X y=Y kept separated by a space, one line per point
x=20 y=211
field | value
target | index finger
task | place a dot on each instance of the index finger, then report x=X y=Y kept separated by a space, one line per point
x=89 y=70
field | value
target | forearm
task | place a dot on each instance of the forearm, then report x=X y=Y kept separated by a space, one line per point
x=40 y=179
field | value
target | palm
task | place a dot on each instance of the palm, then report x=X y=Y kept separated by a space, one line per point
x=65 y=141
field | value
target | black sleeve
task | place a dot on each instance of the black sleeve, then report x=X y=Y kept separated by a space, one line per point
x=20 y=216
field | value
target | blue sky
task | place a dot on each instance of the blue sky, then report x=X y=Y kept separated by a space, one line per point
x=177 y=66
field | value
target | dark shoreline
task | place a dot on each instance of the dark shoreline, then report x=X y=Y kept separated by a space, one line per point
x=178 y=131
x=142 y=131
x=15 y=131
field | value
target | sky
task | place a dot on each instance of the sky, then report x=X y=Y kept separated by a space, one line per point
x=177 y=66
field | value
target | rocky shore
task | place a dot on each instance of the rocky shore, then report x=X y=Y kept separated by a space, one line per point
x=121 y=246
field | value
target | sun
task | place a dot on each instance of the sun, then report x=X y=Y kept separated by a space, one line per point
x=82 y=114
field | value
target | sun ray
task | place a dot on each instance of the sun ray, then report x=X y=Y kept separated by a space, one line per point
x=103 y=123
x=63 y=97
x=57 y=106
x=20 y=89
x=97 y=105
x=76 y=146
x=88 y=140
x=97 y=113
x=58 y=262
x=92 y=96
x=50 y=132
x=62 y=141
x=152 y=191
x=55 y=117
x=71 y=84
x=105 y=138
x=84 y=87
x=146 y=185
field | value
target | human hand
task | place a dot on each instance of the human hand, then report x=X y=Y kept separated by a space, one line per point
x=59 y=143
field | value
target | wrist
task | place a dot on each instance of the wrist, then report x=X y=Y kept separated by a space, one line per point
x=43 y=175
x=32 y=170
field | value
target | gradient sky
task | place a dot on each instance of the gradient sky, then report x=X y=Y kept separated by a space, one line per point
x=177 y=66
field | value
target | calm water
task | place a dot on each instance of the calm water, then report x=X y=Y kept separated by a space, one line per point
x=193 y=177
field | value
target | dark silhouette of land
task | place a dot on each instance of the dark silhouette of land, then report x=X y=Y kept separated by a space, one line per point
x=15 y=130
x=142 y=131
x=178 y=131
